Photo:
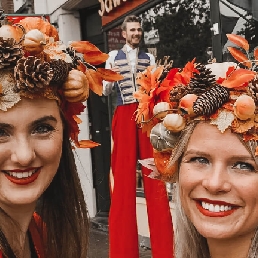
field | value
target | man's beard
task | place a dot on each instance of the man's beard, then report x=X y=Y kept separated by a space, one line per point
x=134 y=44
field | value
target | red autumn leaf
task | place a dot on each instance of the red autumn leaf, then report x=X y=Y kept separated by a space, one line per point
x=109 y=75
x=238 y=78
x=95 y=81
x=71 y=110
x=84 y=47
x=95 y=57
x=240 y=56
x=239 y=41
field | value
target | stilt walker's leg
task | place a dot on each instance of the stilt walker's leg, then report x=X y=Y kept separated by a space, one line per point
x=123 y=235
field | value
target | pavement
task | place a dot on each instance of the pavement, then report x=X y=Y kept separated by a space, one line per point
x=98 y=240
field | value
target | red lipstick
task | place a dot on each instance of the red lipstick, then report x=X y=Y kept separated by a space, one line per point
x=215 y=214
x=23 y=181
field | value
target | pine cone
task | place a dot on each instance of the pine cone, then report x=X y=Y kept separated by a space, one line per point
x=178 y=92
x=60 y=71
x=211 y=100
x=253 y=89
x=10 y=52
x=32 y=74
x=203 y=81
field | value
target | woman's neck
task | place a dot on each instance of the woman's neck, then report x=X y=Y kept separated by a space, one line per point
x=16 y=227
x=230 y=248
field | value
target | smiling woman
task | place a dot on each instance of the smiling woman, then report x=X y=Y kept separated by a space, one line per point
x=202 y=121
x=43 y=85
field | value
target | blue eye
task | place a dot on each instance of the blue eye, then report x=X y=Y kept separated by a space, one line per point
x=200 y=160
x=43 y=129
x=243 y=166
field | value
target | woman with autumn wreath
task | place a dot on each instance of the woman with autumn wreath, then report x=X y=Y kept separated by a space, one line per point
x=206 y=142
x=42 y=207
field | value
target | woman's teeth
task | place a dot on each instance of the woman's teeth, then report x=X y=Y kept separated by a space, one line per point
x=21 y=174
x=216 y=207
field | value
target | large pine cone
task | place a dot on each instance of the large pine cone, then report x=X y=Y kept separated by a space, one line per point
x=10 y=52
x=60 y=71
x=201 y=81
x=253 y=89
x=211 y=100
x=32 y=74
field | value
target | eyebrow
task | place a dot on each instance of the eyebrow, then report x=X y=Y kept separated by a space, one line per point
x=234 y=157
x=37 y=121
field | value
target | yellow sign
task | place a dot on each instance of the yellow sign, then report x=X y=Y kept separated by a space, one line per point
x=109 y=5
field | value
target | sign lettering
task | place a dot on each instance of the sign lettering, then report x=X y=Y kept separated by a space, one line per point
x=107 y=6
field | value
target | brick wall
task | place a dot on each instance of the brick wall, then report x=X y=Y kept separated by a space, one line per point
x=7 y=6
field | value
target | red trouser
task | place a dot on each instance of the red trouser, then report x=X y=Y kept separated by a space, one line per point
x=129 y=145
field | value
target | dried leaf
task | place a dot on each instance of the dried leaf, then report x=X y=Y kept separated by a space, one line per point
x=149 y=164
x=240 y=126
x=238 y=77
x=109 y=75
x=86 y=144
x=240 y=56
x=239 y=41
x=95 y=57
x=95 y=81
x=9 y=99
x=223 y=120
x=84 y=47
x=1 y=88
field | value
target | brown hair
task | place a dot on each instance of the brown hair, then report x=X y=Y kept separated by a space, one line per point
x=130 y=18
x=62 y=209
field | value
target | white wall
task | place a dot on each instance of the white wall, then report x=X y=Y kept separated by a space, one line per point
x=17 y=4
x=84 y=165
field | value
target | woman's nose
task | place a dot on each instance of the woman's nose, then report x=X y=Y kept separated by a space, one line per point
x=23 y=152
x=216 y=180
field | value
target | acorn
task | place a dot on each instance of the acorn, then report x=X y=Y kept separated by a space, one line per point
x=174 y=122
x=244 y=107
x=186 y=104
x=160 y=109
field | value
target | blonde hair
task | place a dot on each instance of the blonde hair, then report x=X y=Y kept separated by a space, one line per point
x=188 y=242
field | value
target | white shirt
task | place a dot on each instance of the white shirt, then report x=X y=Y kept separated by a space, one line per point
x=131 y=53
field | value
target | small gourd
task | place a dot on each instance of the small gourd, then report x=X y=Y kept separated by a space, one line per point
x=9 y=31
x=160 y=109
x=34 y=42
x=174 y=122
x=186 y=104
x=244 y=107
x=161 y=138
x=76 y=86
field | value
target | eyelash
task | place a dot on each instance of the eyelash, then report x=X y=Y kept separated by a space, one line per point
x=43 y=129
x=247 y=166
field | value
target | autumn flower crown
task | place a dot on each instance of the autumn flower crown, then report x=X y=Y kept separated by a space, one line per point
x=171 y=99
x=34 y=64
